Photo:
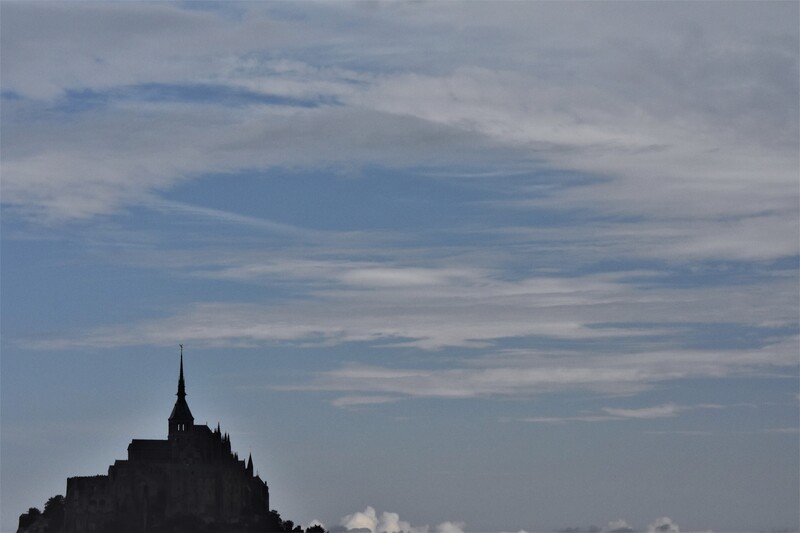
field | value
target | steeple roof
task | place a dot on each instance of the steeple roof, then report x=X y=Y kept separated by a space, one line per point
x=181 y=411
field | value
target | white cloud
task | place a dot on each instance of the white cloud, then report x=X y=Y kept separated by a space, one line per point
x=666 y=410
x=473 y=308
x=49 y=48
x=101 y=161
x=689 y=127
x=218 y=215
x=468 y=308
x=359 y=401
x=760 y=237
x=786 y=430
x=563 y=419
x=367 y=519
x=660 y=525
x=314 y=523
x=452 y=527
x=390 y=523
x=547 y=372
x=663 y=525
x=676 y=169
x=618 y=526
x=438 y=304
x=402 y=277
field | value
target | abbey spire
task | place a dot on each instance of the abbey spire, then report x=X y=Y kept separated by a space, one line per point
x=181 y=419
x=181 y=384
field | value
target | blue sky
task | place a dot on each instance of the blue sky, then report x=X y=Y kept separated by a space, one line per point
x=457 y=266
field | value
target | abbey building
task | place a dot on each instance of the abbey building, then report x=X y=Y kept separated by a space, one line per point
x=190 y=481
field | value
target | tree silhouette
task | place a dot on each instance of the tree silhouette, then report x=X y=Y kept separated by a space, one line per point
x=26 y=519
x=54 y=513
x=53 y=517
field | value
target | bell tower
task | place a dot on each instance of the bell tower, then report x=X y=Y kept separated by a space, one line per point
x=181 y=420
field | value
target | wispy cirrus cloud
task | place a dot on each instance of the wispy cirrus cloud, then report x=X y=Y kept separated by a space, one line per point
x=102 y=161
x=712 y=163
x=550 y=372
x=659 y=411
x=229 y=217
x=362 y=400
x=432 y=307
x=667 y=410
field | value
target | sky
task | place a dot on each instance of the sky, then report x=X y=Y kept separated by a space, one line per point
x=439 y=266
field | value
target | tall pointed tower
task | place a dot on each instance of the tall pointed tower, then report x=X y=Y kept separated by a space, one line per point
x=181 y=483
x=181 y=419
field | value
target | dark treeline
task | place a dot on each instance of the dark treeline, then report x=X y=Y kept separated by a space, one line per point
x=51 y=520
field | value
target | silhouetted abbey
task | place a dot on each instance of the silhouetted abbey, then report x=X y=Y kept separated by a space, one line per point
x=190 y=481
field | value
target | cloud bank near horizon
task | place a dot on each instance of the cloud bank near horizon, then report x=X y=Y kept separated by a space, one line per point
x=369 y=521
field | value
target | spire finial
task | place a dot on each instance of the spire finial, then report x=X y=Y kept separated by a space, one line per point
x=181 y=385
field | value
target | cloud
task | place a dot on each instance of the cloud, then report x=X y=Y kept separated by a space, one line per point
x=454 y=527
x=438 y=302
x=563 y=419
x=100 y=46
x=659 y=411
x=102 y=161
x=743 y=237
x=743 y=195
x=402 y=277
x=668 y=410
x=219 y=215
x=604 y=332
x=542 y=373
x=785 y=430
x=688 y=129
x=501 y=372
x=660 y=525
x=618 y=526
x=368 y=520
x=663 y=525
x=466 y=309
x=394 y=304
x=360 y=401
